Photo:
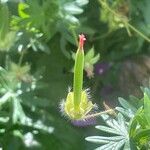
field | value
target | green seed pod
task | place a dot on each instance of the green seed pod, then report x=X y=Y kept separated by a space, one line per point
x=77 y=104
x=78 y=73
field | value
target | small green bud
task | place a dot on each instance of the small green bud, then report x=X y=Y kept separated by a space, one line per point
x=90 y=60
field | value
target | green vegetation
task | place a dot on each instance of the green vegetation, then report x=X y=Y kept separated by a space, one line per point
x=38 y=50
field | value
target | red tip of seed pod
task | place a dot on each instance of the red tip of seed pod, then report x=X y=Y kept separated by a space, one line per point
x=81 y=41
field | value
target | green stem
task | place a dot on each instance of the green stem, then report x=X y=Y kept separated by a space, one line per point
x=104 y=3
x=138 y=32
x=21 y=57
x=78 y=77
x=99 y=114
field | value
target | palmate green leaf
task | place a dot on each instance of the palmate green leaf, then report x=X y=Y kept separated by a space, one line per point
x=119 y=138
x=15 y=106
x=112 y=146
x=119 y=124
x=103 y=139
x=31 y=39
x=90 y=58
x=95 y=59
x=125 y=104
x=72 y=7
x=126 y=112
x=89 y=54
x=135 y=101
x=51 y=16
x=127 y=108
x=44 y=20
x=107 y=129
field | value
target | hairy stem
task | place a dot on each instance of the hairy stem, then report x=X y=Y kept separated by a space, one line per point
x=100 y=113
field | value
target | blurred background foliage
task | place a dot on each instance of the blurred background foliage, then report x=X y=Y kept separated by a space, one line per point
x=37 y=42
